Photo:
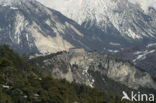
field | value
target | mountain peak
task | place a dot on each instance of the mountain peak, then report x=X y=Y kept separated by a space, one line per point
x=122 y=15
x=83 y=9
x=33 y=28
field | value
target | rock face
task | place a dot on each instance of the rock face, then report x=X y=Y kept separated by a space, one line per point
x=109 y=20
x=91 y=67
x=29 y=27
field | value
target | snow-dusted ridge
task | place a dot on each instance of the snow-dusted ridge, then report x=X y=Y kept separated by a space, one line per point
x=29 y=27
x=123 y=15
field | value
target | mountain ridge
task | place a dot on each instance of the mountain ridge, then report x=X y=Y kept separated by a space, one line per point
x=81 y=66
x=32 y=28
x=125 y=17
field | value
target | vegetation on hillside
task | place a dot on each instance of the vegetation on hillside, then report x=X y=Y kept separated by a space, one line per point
x=22 y=83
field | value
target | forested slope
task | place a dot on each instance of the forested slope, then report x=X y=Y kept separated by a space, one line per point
x=22 y=83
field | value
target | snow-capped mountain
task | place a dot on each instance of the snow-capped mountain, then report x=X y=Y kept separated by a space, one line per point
x=29 y=27
x=118 y=18
x=116 y=25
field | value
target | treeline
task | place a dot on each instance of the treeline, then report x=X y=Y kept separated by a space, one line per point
x=22 y=83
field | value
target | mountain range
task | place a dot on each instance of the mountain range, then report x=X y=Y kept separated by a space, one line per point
x=115 y=18
x=110 y=26
x=29 y=27
x=127 y=28
x=99 y=43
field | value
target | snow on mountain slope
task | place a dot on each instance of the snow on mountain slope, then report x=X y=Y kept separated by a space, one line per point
x=145 y=4
x=126 y=18
x=143 y=56
x=29 y=27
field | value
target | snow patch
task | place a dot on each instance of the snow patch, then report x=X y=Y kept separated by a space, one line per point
x=150 y=45
x=85 y=71
x=114 y=44
x=37 y=55
x=25 y=96
x=133 y=35
x=113 y=51
x=20 y=25
x=13 y=8
x=36 y=95
x=92 y=83
x=6 y=86
x=142 y=55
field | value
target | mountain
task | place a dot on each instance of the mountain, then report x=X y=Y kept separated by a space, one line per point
x=29 y=27
x=22 y=83
x=94 y=69
x=123 y=28
x=143 y=56
x=118 y=21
